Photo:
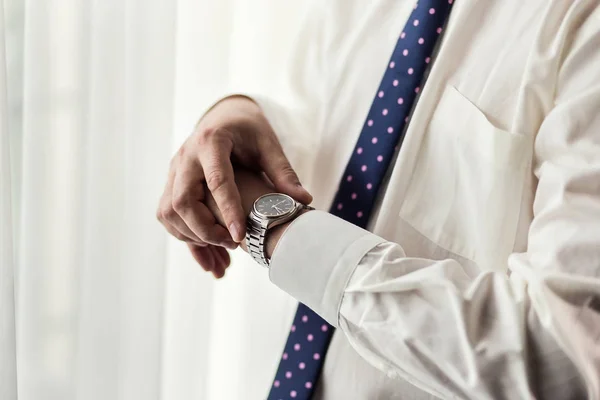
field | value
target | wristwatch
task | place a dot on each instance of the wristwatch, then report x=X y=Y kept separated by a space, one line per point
x=267 y=212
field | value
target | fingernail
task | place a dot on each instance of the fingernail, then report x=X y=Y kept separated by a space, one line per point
x=236 y=231
x=230 y=245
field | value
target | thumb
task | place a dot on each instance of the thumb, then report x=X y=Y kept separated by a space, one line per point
x=279 y=170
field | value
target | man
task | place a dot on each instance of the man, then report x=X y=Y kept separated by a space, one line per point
x=476 y=167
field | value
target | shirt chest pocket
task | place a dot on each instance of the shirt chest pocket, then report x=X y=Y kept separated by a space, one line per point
x=465 y=191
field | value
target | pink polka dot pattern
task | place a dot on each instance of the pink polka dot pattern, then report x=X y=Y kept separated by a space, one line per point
x=380 y=136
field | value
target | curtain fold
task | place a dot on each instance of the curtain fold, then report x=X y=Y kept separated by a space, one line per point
x=8 y=365
x=96 y=302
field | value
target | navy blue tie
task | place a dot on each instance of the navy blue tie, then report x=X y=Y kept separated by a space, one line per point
x=310 y=335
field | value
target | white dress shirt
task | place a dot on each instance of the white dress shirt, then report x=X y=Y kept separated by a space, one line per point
x=480 y=277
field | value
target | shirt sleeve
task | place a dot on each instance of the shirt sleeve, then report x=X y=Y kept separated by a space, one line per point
x=530 y=333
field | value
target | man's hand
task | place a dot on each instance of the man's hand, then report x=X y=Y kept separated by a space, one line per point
x=235 y=129
x=251 y=186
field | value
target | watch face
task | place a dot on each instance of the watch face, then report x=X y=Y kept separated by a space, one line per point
x=274 y=205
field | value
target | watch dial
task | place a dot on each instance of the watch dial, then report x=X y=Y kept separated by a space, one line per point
x=274 y=205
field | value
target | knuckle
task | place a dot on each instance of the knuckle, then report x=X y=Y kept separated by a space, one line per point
x=216 y=180
x=205 y=134
x=166 y=213
x=214 y=136
x=180 y=202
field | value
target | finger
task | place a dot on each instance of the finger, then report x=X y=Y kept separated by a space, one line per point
x=220 y=266
x=176 y=227
x=215 y=158
x=279 y=171
x=178 y=224
x=224 y=256
x=175 y=233
x=188 y=194
x=167 y=215
x=203 y=256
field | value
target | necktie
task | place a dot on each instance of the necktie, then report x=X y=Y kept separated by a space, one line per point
x=310 y=335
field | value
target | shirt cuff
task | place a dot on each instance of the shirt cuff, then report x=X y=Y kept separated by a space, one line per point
x=315 y=258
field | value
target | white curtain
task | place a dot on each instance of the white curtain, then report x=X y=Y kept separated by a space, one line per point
x=95 y=301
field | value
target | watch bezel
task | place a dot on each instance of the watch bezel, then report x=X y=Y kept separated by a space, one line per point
x=274 y=217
